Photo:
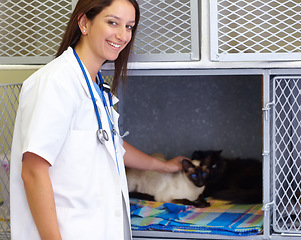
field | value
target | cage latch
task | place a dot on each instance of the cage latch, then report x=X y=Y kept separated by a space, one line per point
x=266 y=109
x=267 y=207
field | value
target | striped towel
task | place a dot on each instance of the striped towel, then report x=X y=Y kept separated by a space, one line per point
x=220 y=218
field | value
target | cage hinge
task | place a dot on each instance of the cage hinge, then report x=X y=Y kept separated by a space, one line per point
x=266 y=109
x=267 y=206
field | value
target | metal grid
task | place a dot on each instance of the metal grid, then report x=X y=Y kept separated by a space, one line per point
x=31 y=30
x=287 y=154
x=168 y=30
x=8 y=106
x=255 y=30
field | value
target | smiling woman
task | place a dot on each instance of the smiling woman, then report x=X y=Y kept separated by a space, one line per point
x=68 y=159
x=104 y=37
x=66 y=183
x=87 y=12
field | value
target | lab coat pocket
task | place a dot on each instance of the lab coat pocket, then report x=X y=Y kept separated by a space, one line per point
x=79 y=224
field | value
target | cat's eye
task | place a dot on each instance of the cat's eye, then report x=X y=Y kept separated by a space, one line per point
x=193 y=176
x=214 y=166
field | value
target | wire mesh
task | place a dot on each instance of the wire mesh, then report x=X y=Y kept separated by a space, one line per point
x=256 y=30
x=31 y=30
x=164 y=28
x=287 y=154
x=8 y=106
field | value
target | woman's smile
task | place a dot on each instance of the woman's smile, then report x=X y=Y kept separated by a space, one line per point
x=114 y=45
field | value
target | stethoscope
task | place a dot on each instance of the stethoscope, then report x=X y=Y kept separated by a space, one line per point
x=102 y=134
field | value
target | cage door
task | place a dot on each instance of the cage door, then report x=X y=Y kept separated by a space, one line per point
x=286 y=154
x=255 y=30
x=168 y=31
x=31 y=30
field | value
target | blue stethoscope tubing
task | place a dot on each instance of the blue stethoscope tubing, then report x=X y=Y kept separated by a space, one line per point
x=101 y=133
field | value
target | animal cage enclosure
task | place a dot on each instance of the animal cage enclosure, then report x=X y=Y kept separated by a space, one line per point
x=281 y=118
x=192 y=38
x=281 y=152
x=8 y=106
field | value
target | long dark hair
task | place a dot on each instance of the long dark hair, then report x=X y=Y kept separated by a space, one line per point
x=72 y=34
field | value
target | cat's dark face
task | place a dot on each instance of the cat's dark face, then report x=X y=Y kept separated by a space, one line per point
x=195 y=172
x=212 y=162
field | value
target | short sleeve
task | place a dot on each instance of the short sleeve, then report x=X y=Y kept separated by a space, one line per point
x=47 y=106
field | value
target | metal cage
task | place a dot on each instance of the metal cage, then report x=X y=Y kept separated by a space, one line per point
x=255 y=30
x=31 y=30
x=8 y=106
x=168 y=31
x=286 y=149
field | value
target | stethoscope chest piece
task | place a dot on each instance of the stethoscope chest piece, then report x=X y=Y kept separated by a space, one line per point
x=102 y=135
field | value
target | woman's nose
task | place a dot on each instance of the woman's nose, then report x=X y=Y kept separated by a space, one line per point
x=123 y=34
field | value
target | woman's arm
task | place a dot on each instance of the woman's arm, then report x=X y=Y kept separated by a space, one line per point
x=135 y=158
x=40 y=197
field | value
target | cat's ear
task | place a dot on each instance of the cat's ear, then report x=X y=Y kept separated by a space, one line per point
x=187 y=165
x=197 y=155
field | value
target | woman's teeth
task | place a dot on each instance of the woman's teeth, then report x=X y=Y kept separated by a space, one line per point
x=114 y=45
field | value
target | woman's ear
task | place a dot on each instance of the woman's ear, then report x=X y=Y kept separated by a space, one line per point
x=82 y=23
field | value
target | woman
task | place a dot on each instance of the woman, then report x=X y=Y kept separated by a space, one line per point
x=67 y=183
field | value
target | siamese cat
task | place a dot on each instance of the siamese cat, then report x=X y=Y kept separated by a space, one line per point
x=235 y=180
x=185 y=187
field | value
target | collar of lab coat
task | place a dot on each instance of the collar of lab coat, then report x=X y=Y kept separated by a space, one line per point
x=108 y=144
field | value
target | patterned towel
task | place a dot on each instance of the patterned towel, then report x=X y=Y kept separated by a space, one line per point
x=220 y=218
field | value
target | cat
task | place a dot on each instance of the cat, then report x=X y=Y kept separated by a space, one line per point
x=237 y=180
x=185 y=187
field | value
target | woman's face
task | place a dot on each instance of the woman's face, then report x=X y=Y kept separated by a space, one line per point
x=110 y=31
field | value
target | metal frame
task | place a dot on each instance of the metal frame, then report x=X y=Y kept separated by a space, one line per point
x=270 y=157
x=158 y=235
x=31 y=30
x=148 y=34
x=286 y=146
x=8 y=107
x=211 y=63
x=259 y=30
x=268 y=148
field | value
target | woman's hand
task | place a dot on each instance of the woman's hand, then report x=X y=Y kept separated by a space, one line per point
x=134 y=158
x=173 y=165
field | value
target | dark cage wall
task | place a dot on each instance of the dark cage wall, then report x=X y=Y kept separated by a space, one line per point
x=180 y=114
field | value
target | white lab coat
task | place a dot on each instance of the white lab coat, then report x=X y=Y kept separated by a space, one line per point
x=56 y=120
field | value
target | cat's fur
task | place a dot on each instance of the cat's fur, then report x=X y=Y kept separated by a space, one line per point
x=185 y=187
x=236 y=180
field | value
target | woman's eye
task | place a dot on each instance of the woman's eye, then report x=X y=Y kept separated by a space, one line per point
x=129 y=27
x=112 y=23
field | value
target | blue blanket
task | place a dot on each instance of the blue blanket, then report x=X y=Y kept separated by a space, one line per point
x=220 y=218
